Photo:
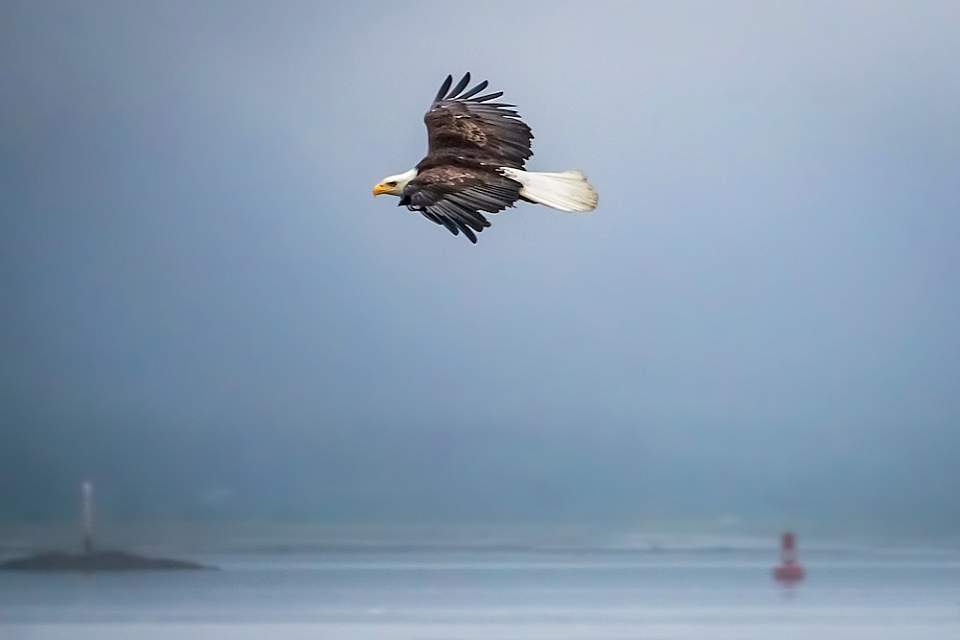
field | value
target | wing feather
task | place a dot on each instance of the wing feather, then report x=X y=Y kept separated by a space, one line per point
x=489 y=96
x=477 y=89
x=464 y=81
x=442 y=93
x=467 y=129
x=457 y=197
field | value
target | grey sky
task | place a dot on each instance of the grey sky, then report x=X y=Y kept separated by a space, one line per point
x=206 y=311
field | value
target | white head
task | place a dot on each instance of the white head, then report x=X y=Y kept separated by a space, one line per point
x=393 y=185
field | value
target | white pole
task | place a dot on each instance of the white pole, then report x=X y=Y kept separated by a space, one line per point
x=87 y=516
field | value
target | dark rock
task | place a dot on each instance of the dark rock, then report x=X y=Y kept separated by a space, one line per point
x=96 y=561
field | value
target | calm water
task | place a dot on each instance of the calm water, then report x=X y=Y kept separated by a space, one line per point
x=498 y=594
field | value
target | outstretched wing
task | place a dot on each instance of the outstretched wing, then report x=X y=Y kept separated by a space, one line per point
x=455 y=197
x=461 y=127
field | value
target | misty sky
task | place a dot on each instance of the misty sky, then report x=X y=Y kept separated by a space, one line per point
x=205 y=311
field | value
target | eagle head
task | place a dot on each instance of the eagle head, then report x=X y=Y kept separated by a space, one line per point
x=393 y=185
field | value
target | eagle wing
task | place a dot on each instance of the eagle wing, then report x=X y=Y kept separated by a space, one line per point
x=455 y=196
x=463 y=128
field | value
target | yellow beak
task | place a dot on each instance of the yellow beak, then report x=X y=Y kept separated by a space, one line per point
x=380 y=189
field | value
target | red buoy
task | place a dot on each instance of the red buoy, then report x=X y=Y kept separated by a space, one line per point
x=790 y=571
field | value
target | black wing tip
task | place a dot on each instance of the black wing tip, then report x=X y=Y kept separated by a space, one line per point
x=489 y=96
x=480 y=86
x=441 y=94
x=449 y=92
x=457 y=90
x=468 y=232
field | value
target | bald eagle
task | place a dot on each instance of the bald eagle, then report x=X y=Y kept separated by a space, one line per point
x=477 y=149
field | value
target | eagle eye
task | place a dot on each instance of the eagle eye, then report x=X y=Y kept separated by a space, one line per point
x=392 y=183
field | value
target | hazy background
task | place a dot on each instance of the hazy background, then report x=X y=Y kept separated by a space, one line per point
x=205 y=311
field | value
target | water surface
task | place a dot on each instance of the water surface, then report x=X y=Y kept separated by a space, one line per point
x=523 y=594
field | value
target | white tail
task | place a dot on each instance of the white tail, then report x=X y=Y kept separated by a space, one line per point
x=564 y=190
